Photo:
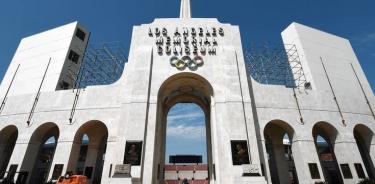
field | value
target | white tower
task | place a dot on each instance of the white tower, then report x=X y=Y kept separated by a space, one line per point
x=185 y=11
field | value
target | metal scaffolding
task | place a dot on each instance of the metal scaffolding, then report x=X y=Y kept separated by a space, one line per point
x=102 y=64
x=276 y=66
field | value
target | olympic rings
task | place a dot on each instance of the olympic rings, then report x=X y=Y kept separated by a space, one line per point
x=186 y=61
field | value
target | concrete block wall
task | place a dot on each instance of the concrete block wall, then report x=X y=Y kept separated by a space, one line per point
x=33 y=55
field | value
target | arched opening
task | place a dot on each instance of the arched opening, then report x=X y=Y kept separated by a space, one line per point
x=324 y=138
x=365 y=138
x=8 y=138
x=186 y=144
x=88 y=150
x=39 y=154
x=184 y=88
x=279 y=136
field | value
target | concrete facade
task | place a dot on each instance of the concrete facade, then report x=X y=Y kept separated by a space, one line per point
x=236 y=106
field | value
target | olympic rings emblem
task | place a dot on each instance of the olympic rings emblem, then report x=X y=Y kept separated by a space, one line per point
x=186 y=61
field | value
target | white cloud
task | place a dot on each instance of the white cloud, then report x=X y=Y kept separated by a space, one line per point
x=367 y=38
x=186 y=117
x=365 y=43
x=187 y=132
x=189 y=114
x=186 y=121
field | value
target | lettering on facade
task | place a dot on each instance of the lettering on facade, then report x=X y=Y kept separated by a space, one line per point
x=187 y=40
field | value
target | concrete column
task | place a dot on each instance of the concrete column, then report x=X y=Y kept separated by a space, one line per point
x=73 y=158
x=214 y=144
x=91 y=157
x=62 y=155
x=372 y=153
x=20 y=148
x=26 y=161
x=348 y=153
x=252 y=136
x=30 y=157
x=266 y=167
x=148 y=163
x=281 y=163
x=112 y=156
x=304 y=152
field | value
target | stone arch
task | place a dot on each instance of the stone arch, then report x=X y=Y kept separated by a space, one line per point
x=39 y=154
x=365 y=140
x=325 y=136
x=279 y=136
x=8 y=138
x=183 y=87
x=87 y=153
x=327 y=130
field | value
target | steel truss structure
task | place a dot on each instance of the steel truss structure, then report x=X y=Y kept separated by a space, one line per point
x=102 y=64
x=276 y=66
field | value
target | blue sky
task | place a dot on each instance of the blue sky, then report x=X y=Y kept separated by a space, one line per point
x=186 y=131
x=260 y=21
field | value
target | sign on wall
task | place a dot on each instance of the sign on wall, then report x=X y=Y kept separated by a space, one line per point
x=133 y=152
x=240 y=154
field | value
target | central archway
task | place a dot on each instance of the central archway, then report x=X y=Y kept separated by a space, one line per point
x=181 y=88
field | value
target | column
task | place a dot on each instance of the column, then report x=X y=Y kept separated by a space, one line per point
x=304 y=152
x=62 y=156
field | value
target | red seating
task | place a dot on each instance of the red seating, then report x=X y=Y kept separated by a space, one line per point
x=203 y=167
x=172 y=182
x=170 y=168
x=185 y=168
x=198 y=181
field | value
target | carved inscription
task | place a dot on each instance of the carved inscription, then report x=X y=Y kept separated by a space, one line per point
x=123 y=169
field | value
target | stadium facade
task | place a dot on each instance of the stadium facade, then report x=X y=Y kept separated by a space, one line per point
x=319 y=128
